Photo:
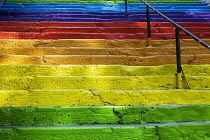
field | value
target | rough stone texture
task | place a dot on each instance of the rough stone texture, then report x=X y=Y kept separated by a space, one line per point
x=86 y=133
x=107 y=30
x=34 y=98
x=89 y=82
x=103 y=59
x=98 y=1
x=109 y=36
x=109 y=44
x=8 y=70
x=198 y=131
x=141 y=52
x=99 y=52
x=102 y=115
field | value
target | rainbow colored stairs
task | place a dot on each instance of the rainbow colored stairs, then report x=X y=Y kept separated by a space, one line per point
x=91 y=75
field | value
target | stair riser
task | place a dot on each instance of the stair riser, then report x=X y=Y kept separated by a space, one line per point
x=98 y=29
x=204 y=20
x=97 y=1
x=103 y=60
x=102 y=115
x=94 y=4
x=34 y=98
x=164 y=9
x=112 y=36
x=103 y=132
x=100 y=83
x=122 y=44
x=141 y=52
x=100 y=70
x=99 y=24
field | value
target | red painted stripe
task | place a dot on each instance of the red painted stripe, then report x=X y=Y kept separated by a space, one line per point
x=103 y=30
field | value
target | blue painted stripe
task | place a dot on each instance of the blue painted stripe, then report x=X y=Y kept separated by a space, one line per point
x=99 y=10
x=195 y=4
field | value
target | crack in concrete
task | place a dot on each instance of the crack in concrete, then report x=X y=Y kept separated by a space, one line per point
x=100 y=98
x=191 y=61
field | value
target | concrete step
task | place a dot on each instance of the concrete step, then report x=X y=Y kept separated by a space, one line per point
x=88 y=34
x=102 y=16
x=73 y=98
x=63 y=19
x=100 y=82
x=110 y=9
x=109 y=36
x=38 y=116
x=8 y=70
x=99 y=1
x=92 y=82
x=108 y=4
x=101 y=43
x=102 y=52
x=141 y=52
x=103 y=59
x=120 y=14
x=100 y=6
x=114 y=132
x=99 y=24
x=98 y=29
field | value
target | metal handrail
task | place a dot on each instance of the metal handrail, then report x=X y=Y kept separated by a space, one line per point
x=178 y=27
x=178 y=52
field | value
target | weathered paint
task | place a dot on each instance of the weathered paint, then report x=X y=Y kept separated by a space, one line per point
x=190 y=131
x=33 y=98
x=98 y=1
x=107 y=30
x=8 y=70
x=103 y=115
x=100 y=52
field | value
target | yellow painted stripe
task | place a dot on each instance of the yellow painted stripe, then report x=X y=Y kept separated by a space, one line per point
x=16 y=70
x=91 y=82
x=33 y=98
x=9 y=70
x=94 y=43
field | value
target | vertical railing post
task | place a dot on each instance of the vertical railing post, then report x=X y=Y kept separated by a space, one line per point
x=148 y=27
x=178 y=60
x=126 y=8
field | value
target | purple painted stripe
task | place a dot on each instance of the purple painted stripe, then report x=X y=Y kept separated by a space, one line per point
x=29 y=19
x=101 y=17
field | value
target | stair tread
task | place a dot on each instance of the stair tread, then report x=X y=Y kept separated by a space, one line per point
x=117 y=132
x=73 y=98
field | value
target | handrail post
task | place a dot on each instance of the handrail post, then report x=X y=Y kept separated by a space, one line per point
x=178 y=60
x=149 y=43
x=126 y=8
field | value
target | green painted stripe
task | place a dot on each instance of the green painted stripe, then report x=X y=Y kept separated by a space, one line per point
x=198 y=131
x=103 y=115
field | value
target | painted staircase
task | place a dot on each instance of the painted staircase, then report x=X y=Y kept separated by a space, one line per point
x=100 y=80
